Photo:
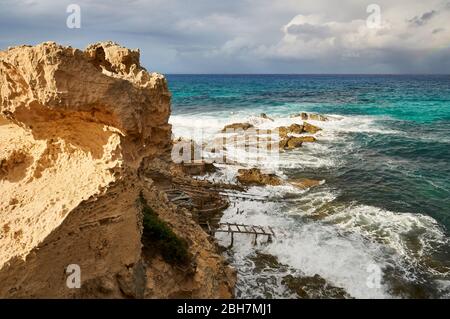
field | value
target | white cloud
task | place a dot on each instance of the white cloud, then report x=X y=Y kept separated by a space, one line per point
x=315 y=37
x=248 y=35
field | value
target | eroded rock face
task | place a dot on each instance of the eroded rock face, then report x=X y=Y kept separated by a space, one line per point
x=103 y=85
x=73 y=121
x=75 y=129
x=254 y=176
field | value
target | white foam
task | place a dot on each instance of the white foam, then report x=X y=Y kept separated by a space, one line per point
x=411 y=236
x=196 y=126
x=342 y=247
x=354 y=124
x=339 y=247
x=345 y=262
x=444 y=288
x=311 y=202
x=206 y=127
x=311 y=248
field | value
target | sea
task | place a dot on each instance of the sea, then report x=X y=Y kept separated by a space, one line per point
x=378 y=224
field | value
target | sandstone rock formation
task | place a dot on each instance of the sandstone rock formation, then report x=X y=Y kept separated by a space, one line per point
x=254 y=176
x=307 y=139
x=289 y=143
x=76 y=129
x=283 y=131
x=310 y=128
x=310 y=116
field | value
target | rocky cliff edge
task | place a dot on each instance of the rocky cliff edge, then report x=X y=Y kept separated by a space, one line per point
x=76 y=128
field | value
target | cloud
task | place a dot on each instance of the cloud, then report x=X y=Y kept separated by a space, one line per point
x=419 y=21
x=393 y=44
x=437 y=30
x=308 y=31
x=238 y=36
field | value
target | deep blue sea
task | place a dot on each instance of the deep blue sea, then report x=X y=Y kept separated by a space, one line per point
x=385 y=163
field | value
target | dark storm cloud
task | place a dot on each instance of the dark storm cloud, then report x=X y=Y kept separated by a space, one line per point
x=419 y=21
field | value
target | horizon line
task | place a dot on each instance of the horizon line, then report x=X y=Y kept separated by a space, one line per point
x=326 y=74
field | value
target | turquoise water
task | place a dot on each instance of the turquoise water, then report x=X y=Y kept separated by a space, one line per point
x=423 y=99
x=393 y=155
x=416 y=106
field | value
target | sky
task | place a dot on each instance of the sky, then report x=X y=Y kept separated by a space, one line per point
x=248 y=36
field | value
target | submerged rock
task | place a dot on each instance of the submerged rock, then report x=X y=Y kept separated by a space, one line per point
x=254 y=176
x=306 y=287
x=305 y=183
x=314 y=287
x=263 y=261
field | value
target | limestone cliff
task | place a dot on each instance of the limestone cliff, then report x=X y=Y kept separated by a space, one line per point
x=76 y=128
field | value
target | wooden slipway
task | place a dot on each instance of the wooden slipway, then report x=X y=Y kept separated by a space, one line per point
x=233 y=228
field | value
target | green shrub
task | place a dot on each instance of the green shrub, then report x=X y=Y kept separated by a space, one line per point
x=157 y=233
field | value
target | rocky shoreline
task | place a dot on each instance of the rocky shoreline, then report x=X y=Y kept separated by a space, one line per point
x=299 y=285
x=139 y=229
